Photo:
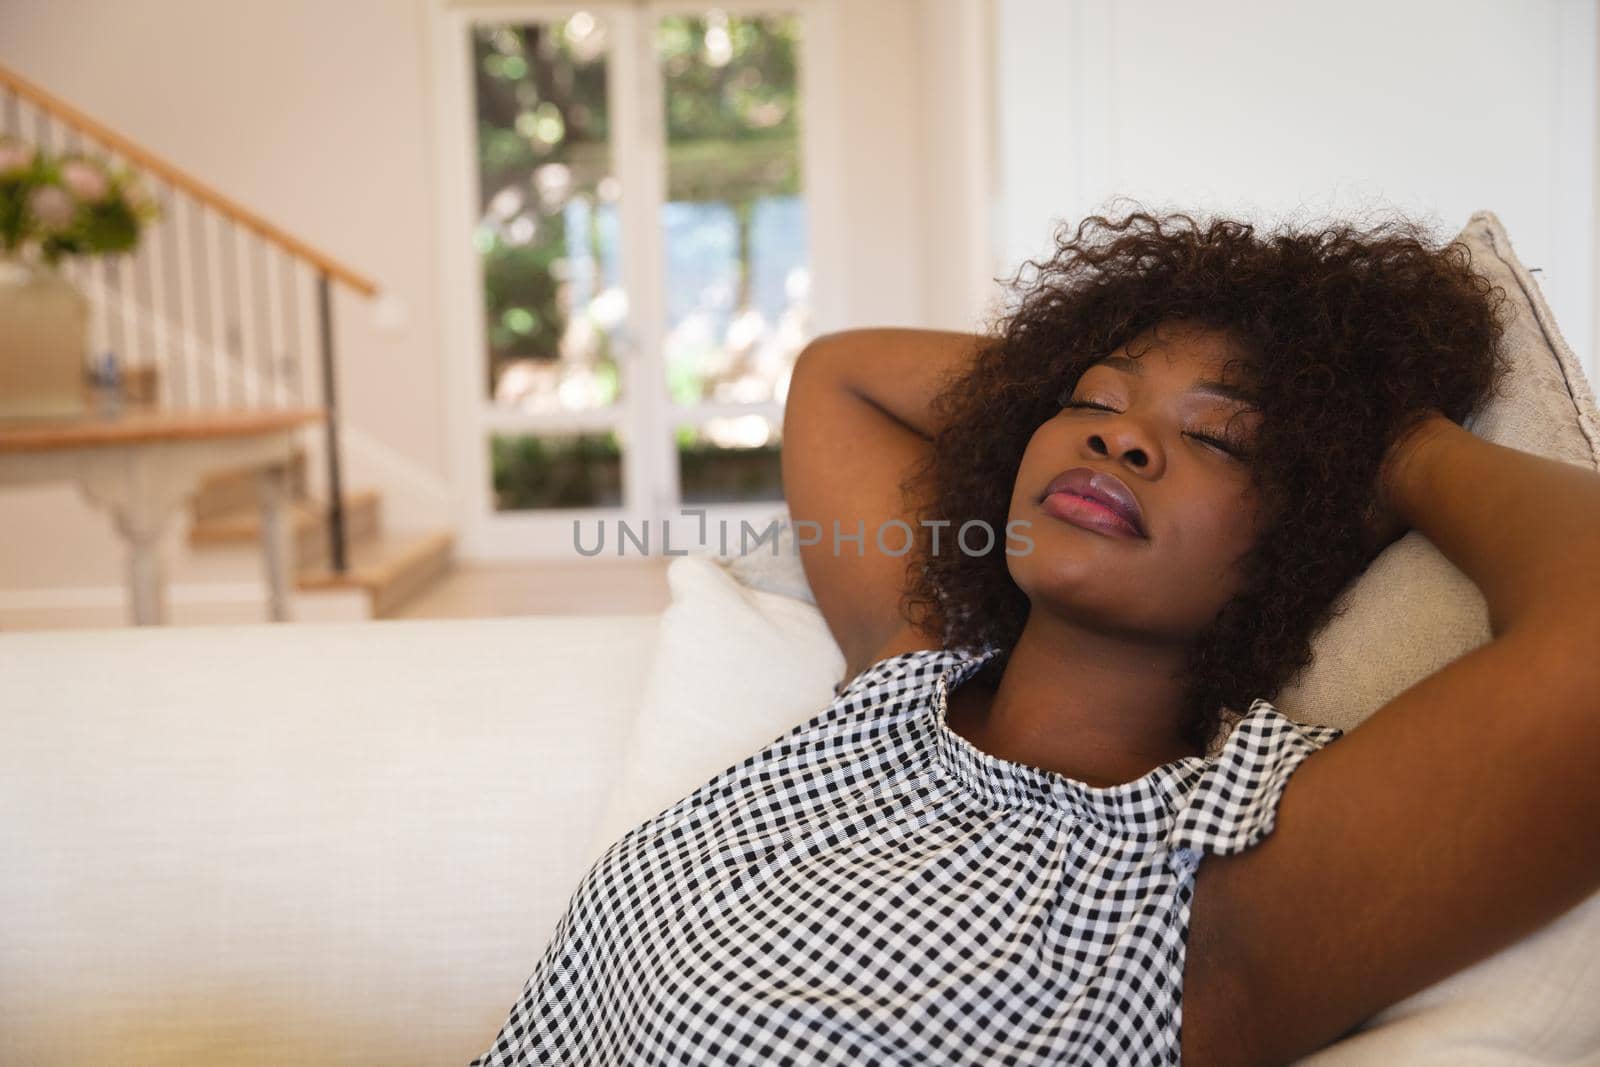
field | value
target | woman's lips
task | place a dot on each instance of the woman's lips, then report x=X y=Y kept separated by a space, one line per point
x=1103 y=488
x=1089 y=514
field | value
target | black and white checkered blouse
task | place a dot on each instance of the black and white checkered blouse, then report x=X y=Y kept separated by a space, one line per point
x=872 y=888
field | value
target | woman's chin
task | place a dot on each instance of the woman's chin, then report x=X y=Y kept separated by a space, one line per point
x=1075 y=580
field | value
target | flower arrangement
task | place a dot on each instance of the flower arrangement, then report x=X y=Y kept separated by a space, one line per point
x=55 y=206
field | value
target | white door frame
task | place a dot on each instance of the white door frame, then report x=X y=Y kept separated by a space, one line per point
x=649 y=473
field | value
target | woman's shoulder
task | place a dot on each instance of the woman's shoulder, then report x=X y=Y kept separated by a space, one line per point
x=904 y=666
x=903 y=642
x=908 y=651
x=1265 y=727
x=1234 y=803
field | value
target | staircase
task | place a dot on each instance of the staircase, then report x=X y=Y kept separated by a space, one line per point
x=218 y=309
x=389 y=569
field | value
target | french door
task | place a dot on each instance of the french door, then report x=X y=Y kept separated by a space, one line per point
x=635 y=211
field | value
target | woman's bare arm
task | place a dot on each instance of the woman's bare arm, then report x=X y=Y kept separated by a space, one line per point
x=1462 y=815
x=855 y=421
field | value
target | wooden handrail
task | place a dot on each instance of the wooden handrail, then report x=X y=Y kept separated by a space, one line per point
x=71 y=116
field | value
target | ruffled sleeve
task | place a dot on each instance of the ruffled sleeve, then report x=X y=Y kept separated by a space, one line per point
x=1234 y=804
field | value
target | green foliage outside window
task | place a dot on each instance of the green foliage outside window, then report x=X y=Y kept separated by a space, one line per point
x=732 y=137
x=732 y=132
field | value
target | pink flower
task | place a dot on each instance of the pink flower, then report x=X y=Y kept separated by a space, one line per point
x=15 y=155
x=85 y=180
x=52 y=206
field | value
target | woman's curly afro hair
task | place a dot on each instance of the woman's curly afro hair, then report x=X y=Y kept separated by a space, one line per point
x=1346 y=333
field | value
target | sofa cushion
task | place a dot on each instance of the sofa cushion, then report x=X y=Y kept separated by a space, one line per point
x=336 y=844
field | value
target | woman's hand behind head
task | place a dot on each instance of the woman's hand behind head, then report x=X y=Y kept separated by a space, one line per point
x=1387 y=521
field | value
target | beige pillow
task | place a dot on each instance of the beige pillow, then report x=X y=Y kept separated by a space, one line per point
x=1412 y=612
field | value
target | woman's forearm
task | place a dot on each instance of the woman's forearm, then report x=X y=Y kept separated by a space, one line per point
x=898 y=370
x=1524 y=528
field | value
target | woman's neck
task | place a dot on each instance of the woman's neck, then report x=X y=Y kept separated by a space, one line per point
x=1096 y=708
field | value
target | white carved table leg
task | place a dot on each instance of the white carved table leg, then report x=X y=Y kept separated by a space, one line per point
x=141 y=488
x=146 y=588
x=272 y=486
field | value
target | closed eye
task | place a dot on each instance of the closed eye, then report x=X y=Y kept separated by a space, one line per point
x=1217 y=443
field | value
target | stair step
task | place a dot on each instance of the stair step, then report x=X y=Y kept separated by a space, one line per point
x=227 y=491
x=391 y=570
x=362 y=520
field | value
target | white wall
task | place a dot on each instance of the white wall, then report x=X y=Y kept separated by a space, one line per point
x=1437 y=108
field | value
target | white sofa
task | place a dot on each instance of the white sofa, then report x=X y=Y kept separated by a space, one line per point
x=349 y=843
x=306 y=844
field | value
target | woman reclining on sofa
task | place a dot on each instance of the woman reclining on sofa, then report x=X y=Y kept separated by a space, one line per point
x=1052 y=816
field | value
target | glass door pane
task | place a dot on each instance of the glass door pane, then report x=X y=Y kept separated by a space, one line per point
x=734 y=226
x=730 y=460
x=548 y=231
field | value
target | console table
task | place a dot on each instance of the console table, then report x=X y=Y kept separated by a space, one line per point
x=141 y=465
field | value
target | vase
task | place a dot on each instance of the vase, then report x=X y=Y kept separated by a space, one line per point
x=44 y=342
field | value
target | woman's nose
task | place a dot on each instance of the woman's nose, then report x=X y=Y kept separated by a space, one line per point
x=1129 y=445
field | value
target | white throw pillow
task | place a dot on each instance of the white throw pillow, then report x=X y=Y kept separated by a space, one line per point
x=734 y=669
x=1409 y=615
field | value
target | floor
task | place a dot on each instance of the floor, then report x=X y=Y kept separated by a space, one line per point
x=591 y=587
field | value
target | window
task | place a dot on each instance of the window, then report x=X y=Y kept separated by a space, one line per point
x=640 y=251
